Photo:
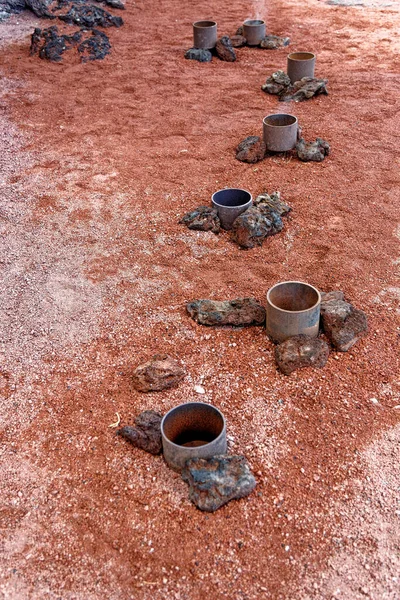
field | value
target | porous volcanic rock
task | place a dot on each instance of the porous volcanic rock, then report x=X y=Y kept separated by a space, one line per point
x=301 y=351
x=146 y=434
x=224 y=49
x=95 y=47
x=11 y=7
x=202 y=218
x=238 y=312
x=252 y=227
x=88 y=15
x=160 y=373
x=41 y=8
x=277 y=83
x=238 y=41
x=312 y=151
x=273 y=203
x=215 y=481
x=50 y=45
x=342 y=323
x=251 y=150
x=273 y=42
x=304 y=89
x=198 y=54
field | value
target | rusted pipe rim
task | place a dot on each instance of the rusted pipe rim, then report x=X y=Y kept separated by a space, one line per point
x=279 y=120
x=246 y=197
x=204 y=24
x=301 y=56
x=193 y=450
x=306 y=285
x=254 y=22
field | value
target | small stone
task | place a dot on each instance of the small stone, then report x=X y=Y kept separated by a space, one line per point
x=301 y=351
x=160 y=373
x=277 y=83
x=343 y=324
x=312 y=151
x=214 y=482
x=198 y=54
x=335 y=295
x=238 y=312
x=199 y=389
x=202 y=218
x=251 y=150
x=239 y=30
x=224 y=49
x=273 y=42
x=374 y=400
x=251 y=228
x=238 y=41
x=146 y=434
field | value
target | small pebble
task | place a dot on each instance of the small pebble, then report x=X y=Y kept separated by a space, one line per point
x=374 y=400
x=199 y=389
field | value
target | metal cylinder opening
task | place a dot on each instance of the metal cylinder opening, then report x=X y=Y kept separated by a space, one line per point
x=301 y=56
x=192 y=430
x=293 y=296
x=300 y=64
x=229 y=204
x=280 y=132
x=254 y=31
x=204 y=34
x=293 y=308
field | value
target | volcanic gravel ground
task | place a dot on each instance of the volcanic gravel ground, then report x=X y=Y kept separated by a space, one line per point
x=98 y=163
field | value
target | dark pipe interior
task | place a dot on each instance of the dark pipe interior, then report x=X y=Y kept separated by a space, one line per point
x=254 y=22
x=204 y=24
x=231 y=197
x=301 y=56
x=293 y=296
x=280 y=120
x=193 y=425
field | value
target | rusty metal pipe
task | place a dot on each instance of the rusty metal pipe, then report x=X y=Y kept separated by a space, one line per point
x=300 y=64
x=254 y=31
x=280 y=132
x=293 y=308
x=204 y=34
x=192 y=430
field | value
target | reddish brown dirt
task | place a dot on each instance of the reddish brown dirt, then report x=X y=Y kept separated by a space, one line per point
x=99 y=161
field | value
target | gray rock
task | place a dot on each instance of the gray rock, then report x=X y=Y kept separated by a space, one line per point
x=342 y=323
x=335 y=295
x=277 y=83
x=312 y=151
x=273 y=42
x=272 y=202
x=224 y=49
x=146 y=434
x=238 y=312
x=305 y=89
x=214 y=482
x=40 y=8
x=251 y=150
x=301 y=351
x=251 y=228
x=160 y=373
x=239 y=30
x=202 y=218
x=198 y=54
x=238 y=41
x=11 y=7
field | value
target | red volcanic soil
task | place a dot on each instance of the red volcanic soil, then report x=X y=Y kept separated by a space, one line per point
x=98 y=163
